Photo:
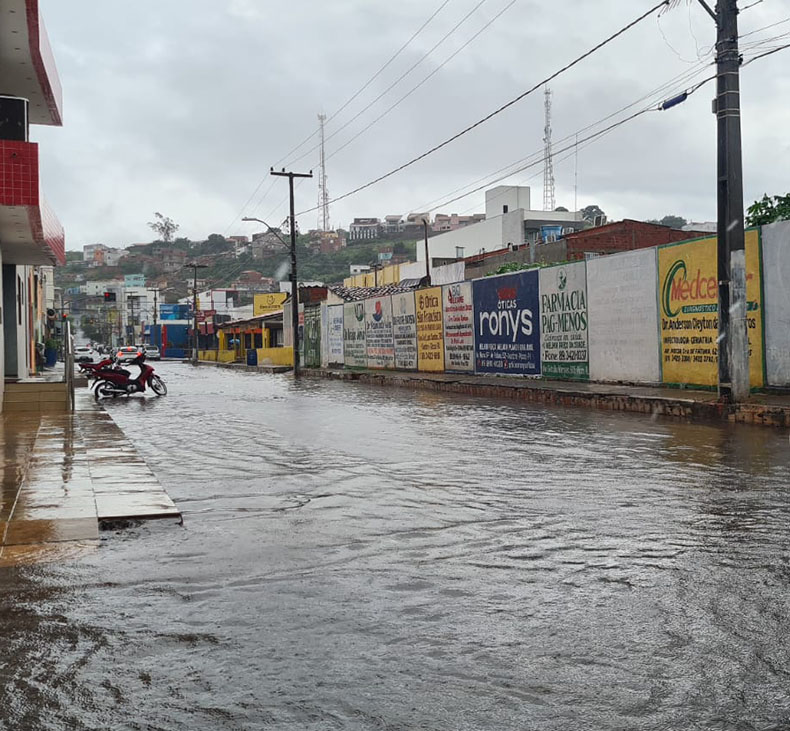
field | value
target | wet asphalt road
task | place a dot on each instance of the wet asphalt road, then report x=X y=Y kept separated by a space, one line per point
x=363 y=558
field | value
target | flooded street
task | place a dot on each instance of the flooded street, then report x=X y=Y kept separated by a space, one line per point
x=363 y=558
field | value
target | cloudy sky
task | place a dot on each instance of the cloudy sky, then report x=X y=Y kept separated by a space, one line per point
x=181 y=106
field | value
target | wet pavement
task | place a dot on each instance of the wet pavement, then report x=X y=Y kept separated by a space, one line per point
x=62 y=475
x=370 y=558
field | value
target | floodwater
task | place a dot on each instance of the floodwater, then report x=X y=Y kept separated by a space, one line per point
x=364 y=558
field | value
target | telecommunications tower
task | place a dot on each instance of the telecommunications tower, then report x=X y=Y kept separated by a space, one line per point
x=323 y=190
x=548 y=163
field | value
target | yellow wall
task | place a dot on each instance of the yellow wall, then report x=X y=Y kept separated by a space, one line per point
x=387 y=275
x=226 y=356
x=207 y=355
x=276 y=356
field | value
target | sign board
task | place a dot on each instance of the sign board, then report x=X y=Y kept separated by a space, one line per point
x=312 y=336
x=404 y=331
x=623 y=317
x=430 y=340
x=507 y=324
x=335 y=334
x=459 y=327
x=263 y=304
x=563 y=322
x=688 y=311
x=378 y=333
x=354 y=349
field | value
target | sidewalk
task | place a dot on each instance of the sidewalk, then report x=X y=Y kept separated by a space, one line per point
x=766 y=409
x=62 y=475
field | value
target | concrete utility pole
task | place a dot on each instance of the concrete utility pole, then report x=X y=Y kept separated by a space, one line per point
x=195 y=266
x=294 y=285
x=427 y=258
x=733 y=338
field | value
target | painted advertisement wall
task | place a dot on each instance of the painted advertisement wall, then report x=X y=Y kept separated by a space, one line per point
x=354 y=350
x=564 y=321
x=324 y=335
x=404 y=331
x=430 y=340
x=688 y=296
x=776 y=270
x=334 y=334
x=270 y=302
x=312 y=337
x=378 y=333
x=459 y=327
x=507 y=324
x=622 y=310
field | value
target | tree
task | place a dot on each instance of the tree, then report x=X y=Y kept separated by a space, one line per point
x=768 y=209
x=590 y=212
x=671 y=221
x=164 y=226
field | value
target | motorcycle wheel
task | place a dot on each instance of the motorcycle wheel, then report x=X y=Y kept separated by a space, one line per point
x=103 y=389
x=158 y=386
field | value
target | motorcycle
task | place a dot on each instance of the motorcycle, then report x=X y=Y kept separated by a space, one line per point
x=91 y=369
x=113 y=382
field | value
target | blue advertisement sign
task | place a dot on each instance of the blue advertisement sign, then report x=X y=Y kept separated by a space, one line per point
x=507 y=324
x=174 y=312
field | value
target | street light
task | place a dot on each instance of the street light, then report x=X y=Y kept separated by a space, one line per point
x=195 y=266
x=294 y=289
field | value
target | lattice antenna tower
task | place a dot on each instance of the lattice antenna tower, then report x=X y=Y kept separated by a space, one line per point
x=548 y=161
x=323 y=189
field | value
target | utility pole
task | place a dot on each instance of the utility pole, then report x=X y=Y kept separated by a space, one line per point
x=195 y=266
x=156 y=312
x=427 y=258
x=731 y=252
x=294 y=285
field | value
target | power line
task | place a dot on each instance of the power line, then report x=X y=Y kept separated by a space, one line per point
x=351 y=99
x=397 y=81
x=502 y=108
x=414 y=88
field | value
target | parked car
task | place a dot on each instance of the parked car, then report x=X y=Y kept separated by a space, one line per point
x=85 y=354
x=127 y=353
x=152 y=352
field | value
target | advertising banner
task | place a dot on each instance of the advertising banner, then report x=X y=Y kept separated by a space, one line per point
x=312 y=337
x=688 y=297
x=430 y=341
x=335 y=335
x=459 y=327
x=776 y=261
x=378 y=333
x=404 y=331
x=266 y=303
x=563 y=322
x=324 y=335
x=507 y=324
x=623 y=317
x=354 y=350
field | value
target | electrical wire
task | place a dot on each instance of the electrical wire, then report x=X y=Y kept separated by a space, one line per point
x=500 y=109
x=414 y=88
x=338 y=111
x=394 y=83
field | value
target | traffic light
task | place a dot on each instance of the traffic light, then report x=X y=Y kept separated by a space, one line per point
x=65 y=315
x=109 y=296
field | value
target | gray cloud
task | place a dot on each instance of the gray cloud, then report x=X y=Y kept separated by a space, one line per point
x=181 y=106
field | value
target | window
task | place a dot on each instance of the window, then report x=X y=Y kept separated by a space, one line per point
x=504 y=209
x=19 y=298
x=459 y=252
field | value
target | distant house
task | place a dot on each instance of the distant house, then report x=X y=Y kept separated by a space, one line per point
x=362 y=229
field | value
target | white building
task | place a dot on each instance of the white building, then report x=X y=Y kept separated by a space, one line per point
x=509 y=223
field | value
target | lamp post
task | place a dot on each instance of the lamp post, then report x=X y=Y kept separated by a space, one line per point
x=294 y=289
x=195 y=266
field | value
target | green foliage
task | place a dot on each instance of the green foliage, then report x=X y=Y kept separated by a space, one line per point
x=590 y=212
x=517 y=266
x=164 y=226
x=768 y=209
x=671 y=221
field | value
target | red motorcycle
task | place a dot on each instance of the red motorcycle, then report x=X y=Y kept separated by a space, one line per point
x=91 y=369
x=112 y=382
